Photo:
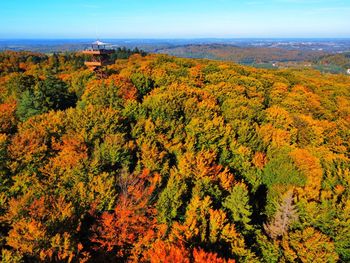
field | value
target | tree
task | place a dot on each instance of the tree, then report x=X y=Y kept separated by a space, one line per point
x=143 y=83
x=122 y=233
x=20 y=83
x=285 y=216
x=171 y=199
x=8 y=120
x=42 y=227
x=311 y=168
x=167 y=252
x=238 y=204
x=200 y=256
x=49 y=94
x=309 y=245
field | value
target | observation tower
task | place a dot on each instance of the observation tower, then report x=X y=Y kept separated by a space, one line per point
x=98 y=56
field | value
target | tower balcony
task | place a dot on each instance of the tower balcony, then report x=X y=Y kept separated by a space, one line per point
x=98 y=63
x=98 y=51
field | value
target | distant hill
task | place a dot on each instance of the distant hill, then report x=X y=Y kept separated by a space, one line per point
x=243 y=55
x=321 y=54
x=265 y=57
x=341 y=60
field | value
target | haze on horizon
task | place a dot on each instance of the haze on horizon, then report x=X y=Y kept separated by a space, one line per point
x=174 y=19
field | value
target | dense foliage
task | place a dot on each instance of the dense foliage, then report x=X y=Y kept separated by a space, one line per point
x=172 y=160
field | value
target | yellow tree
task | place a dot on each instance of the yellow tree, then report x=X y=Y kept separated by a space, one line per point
x=309 y=245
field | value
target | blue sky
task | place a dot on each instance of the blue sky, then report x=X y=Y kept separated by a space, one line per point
x=174 y=19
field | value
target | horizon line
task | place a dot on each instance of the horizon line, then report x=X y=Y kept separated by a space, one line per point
x=165 y=38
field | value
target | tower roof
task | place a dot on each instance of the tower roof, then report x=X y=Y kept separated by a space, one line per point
x=99 y=43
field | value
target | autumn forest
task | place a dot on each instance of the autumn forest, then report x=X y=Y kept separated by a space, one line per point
x=171 y=160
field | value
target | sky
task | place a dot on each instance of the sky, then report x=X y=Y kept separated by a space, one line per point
x=174 y=19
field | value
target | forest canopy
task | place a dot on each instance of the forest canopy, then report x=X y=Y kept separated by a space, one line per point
x=172 y=160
